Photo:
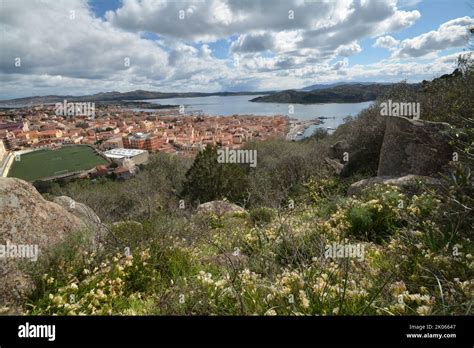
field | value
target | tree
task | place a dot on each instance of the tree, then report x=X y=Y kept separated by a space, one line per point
x=209 y=180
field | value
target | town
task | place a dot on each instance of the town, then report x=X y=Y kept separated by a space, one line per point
x=125 y=136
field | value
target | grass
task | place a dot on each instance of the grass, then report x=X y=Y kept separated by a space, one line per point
x=46 y=163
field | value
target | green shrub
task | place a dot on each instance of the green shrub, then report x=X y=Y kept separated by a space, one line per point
x=378 y=214
x=361 y=220
x=261 y=216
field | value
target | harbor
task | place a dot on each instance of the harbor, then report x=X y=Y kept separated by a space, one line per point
x=298 y=127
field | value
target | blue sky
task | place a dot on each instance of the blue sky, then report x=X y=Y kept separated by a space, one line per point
x=217 y=45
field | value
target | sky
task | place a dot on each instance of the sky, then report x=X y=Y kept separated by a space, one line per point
x=77 y=47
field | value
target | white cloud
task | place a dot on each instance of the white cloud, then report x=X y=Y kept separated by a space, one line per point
x=453 y=33
x=268 y=50
x=48 y=40
x=365 y=19
x=340 y=64
x=322 y=25
x=349 y=49
x=56 y=50
x=386 y=42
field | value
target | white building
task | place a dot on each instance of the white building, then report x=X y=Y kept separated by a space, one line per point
x=122 y=155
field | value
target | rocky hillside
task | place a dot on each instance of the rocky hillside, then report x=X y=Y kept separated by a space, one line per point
x=381 y=248
x=28 y=219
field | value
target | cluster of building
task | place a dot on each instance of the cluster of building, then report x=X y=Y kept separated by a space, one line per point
x=115 y=128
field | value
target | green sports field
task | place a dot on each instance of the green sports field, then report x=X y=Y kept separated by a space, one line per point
x=46 y=163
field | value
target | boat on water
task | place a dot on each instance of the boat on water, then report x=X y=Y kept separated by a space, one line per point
x=325 y=117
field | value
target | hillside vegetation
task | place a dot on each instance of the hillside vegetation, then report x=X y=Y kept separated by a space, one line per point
x=165 y=258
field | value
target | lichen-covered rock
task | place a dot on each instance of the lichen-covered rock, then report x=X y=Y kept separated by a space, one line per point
x=219 y=208
x=27 y=220
x=81 y=210
x=413 y=147
x=409 y=184
x=334 y=166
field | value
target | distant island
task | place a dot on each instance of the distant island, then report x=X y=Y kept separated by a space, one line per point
x=344 y=93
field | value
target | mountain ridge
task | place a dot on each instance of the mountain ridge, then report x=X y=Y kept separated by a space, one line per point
x=347 y=93
x=318 y=86
x=118 y=96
